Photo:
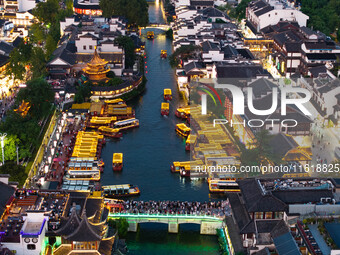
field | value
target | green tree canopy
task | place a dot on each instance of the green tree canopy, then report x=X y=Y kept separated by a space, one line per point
x=83 y=93
x=129 y=47
x=183 y=53
x=16 y=172
x=40 y=95
x=38 y=63
x=260 y=151
x=240 y=10
x=136 y=11
x=46 y=12
x=324 y=15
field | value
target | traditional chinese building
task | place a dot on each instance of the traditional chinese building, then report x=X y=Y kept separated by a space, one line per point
x=96 y=69
x=85 y=233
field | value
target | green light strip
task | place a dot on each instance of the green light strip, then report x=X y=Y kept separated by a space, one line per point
x=151 y=216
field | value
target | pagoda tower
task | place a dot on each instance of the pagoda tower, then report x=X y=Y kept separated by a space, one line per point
x=96 y=69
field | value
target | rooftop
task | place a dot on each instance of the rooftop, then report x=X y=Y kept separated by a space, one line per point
x=50 y=203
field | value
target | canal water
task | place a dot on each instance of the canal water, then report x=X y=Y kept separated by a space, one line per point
x=149 y=150
x=148 y=153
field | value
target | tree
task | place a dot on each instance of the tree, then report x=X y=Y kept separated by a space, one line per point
x=19 y=58
x=15 y=66
x=183 y=53
x=261 y=150
x=324 y=15
x=40 y=95
x=46 y=12
x=121 y=225
x=37 y=33
x=83 y=93
x=51 y=45
x=107 y=7
x=16 y=172
x=38 y=63
x=136 y=11
x=10 y=143
x=114 y=81
x=129 y=47
x=169 y=33
x=240 y=10
x=110 y=74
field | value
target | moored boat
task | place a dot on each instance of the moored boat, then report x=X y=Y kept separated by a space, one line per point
x=165 y=109
x=96 y=122
x=223 y=185
x=183 y=129
x=110 y=132
x=117 y=161
x=183 y=112
x=190 y=141
x=126 y=124
x=164 y=54
x=167 y=94
x=150 y=34
x=118 y=191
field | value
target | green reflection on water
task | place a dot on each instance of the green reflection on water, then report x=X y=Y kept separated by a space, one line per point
x=153 y=238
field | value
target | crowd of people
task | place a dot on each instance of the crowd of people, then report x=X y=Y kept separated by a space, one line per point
x=218 y=208
x=6 y=102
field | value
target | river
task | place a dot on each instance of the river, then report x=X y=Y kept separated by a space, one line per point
x=148 y=153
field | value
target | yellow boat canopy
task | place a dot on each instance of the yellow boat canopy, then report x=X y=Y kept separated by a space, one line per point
x=117 y=158
x=165 y=106
x=114 y=101
x=183 y=127
x=191 y=139
x=102 y=120
x=167 y=92
x=107 y=129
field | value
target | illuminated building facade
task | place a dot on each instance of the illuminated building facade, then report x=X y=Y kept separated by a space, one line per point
x=87 y=7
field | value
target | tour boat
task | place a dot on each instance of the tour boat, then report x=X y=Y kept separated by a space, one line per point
x=183 y=112
x=116 y=102
x=118 y=191
x=183 y=129
x=165 y=109
x=117 y=161
x=126 y=124
x=110 y=132
x=167 y=94
x=150 y=34
x=164 y=54
x=185 y=167
x=120 y=112
x=190 y=140
x=96 y=122
x=223 y=185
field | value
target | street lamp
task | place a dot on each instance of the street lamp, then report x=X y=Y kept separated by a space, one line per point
x=2 y=137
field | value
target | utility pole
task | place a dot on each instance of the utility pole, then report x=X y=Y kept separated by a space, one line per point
x=2 y=137
x=17 y=155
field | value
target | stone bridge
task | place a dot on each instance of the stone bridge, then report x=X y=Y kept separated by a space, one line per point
x=164 y=27
x=208 y=224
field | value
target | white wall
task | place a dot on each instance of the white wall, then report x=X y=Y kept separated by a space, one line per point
x=66 y=23
x=85 y=42
x=25 y=5
x=273 y=17
x=213 y=56
x=319 y=209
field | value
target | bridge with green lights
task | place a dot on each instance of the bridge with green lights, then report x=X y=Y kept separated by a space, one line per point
x=208 y=224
